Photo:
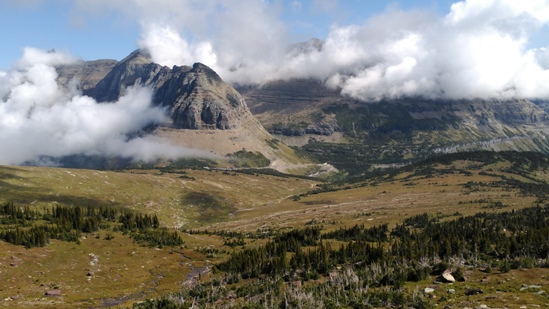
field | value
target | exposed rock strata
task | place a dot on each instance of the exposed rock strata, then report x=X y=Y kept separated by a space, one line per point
x=195 y=97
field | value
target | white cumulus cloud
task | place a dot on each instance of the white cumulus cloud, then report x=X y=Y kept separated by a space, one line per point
x=40 y=119
x=478 y=49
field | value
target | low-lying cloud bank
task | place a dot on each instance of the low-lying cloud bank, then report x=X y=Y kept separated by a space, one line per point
x=40 y=119
x=479 y=49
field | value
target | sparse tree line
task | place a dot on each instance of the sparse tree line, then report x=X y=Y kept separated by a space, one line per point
x=259 y=234
x=370 y=265
x=508 y=237
x=32 y=228
x=504 y=236
x=522 y=164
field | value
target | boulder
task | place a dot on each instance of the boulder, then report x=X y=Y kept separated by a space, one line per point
x=447 y=276
x=53 y=293
x=472 y=292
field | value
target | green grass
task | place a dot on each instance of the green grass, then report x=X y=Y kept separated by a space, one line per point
x=245 y=158
x=147 y=191
x=240 y=202
x=210 y=207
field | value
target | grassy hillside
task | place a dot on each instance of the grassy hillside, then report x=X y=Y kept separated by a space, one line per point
x=165 y=193
x=465 y=183
x=223 y=216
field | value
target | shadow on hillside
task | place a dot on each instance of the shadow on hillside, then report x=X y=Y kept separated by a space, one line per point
x=31 y=192
x=10 y=191
x=7 y=172
x=210 y=207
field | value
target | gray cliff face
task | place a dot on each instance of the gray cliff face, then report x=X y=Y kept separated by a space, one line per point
x=293 y=107
x=198 y=98
x=398 y=127
x=87 y=73
x=195 y=97
x=274 y=103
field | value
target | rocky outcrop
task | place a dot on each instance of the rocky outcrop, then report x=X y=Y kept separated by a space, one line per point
x=194 y=96
x=86 y=73
x=202 y=100
x=205 y=113
x=292 y=107
x=289 y=96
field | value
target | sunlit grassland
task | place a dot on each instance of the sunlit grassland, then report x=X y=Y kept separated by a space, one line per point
x=122 y=272
x=126 y=272
x=169 y=195
x=388 y=201
x=499 y=290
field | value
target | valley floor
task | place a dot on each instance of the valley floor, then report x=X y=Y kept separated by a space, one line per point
x=223 y=216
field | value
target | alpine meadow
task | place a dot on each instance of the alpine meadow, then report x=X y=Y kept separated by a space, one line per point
x=274 y=154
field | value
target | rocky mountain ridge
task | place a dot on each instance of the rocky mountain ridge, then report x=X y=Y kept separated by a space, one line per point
x=304 y=112
x=204 y=112
x=277 y=103
x=85 y=73
x=356 y=136
x=308 y=104
x=196 y=97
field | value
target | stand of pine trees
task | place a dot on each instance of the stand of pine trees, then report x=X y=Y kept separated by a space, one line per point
x=370 y=267
x=31 y=228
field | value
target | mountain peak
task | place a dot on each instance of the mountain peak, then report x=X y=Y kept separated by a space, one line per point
x=306 y=47
x=195 y=97
x=138 y=56
x=201 y=68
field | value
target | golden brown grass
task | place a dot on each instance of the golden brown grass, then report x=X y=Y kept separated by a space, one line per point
x=387 y=202
x=125 y=272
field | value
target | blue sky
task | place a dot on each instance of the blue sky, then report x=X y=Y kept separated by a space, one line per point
x=321 y=15
x=55 y=24
x=63 y=25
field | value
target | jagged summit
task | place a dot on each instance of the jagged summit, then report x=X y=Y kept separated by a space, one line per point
x=195 y=97
x=306 y=47
x=138 y=56
x=203 y=101
x=204 y=112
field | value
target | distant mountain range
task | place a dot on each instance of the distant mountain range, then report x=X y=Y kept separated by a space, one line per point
x=356 y=135
x=208 y=114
